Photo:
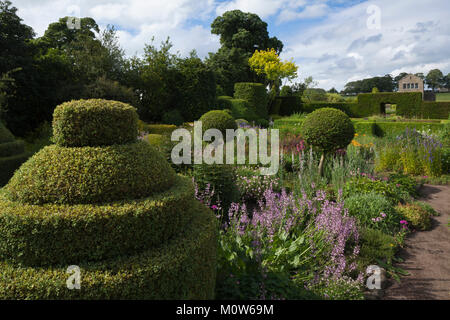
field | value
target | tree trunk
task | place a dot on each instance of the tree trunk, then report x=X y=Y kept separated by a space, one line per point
x=322 y=160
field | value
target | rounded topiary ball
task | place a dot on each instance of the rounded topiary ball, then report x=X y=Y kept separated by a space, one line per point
x=328 y=128
x=94 y=122
x=218 y=119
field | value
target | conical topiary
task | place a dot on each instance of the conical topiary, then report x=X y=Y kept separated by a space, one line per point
x=12 y=154
x=109 y=204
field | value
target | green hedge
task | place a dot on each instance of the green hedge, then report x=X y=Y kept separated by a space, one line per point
x=285 y=106
x=217 y=119
x=381 y=129
x=434 y=110
x=351 y=109
x=9 y=149
x=90 y=174
x=405 y=101
x=240 y=108
x=255 y=94
x=165 y=129
x=182 y=268
x=41 y=235
x=94 y=122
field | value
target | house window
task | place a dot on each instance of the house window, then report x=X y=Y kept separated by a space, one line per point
x=417 y=86
x=409 y=85
x=404 y=86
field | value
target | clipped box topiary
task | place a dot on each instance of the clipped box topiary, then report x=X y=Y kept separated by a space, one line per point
x=218 y=119
x=12 y=154
x=116 y=210
x=328 y=129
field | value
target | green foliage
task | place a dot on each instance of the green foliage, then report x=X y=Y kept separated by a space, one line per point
x=375 y=211
x=375 y=245
x=432 y=110
x=417 y=215
x=240 y=33
x=9 y=165
x=255 y=94
x=173 y=117
x=240 y=108
x=343 y=288
x=9 y=149
x=314 y=94
x=38 y=235
x=405 y=182
x=386 y=128
x=219 y=177
x=329 y=129
x=384 y=84
x=286 y=106
x=94 y=122
x=5 y=134
x=406 y=102
x=217 y=119
x=434 y=78
x=350 y=108
x=103 y=88
x=445 y=159
x=100 y=174
x=165 y=129
x=364 y=185
x=183 y=267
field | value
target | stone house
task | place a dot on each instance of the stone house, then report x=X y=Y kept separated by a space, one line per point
x=410 y=83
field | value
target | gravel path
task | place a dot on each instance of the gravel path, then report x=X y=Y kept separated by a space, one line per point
x=426 y=255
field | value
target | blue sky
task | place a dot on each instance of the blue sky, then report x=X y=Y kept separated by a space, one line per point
x=334 y=41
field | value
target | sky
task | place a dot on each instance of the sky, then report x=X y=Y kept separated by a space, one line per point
x=334 y=41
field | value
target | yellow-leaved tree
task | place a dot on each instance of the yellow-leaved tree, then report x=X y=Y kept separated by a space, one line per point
x=268 y=63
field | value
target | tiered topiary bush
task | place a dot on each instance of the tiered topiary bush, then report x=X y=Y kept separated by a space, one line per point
x=110 y=204
x=12 y=154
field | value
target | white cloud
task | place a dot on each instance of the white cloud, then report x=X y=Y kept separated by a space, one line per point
x=343 y=48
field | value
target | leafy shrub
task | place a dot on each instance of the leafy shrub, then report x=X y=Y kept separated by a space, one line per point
x=40 y=235
x=217 y=119
x=285 y=106
x=416 y=215
x=119 y=211
x=375 y=211
x=173 y=117
x=219 y=177
x=182 y=268
x=352 y=109
x=95 y=122
x=344 y=288
x=364 y=184
x=255 y=94
x=239 y=108
x=252 y=185
x=445 y=160
x=100 y=174
x=417 y=153
x=329 y=129
x=375 y=245
x=405 y=182
x=165 y=129
x=242 y=123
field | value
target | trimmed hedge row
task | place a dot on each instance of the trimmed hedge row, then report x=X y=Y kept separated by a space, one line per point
x=94 y=122
x=90 y=174
x=380 y=129
x=41 y=235
x=240 y=108
x=434 y=110
x=350 y=108
x=285 y=106
x=182 y=268
x=255 y=94
x=164 y=129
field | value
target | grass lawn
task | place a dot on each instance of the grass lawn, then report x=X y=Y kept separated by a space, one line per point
x=444 y=96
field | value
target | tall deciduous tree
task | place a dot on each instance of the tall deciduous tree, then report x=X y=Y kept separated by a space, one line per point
x=240 y=35
x=434 y=79
x=269 y=64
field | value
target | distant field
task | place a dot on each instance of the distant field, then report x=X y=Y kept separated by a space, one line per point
x=443 y=96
